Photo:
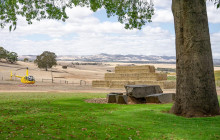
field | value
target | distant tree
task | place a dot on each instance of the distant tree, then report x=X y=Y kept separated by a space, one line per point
x=26 y=59
x=12 y=57
x=3 y=53
x=46 y=60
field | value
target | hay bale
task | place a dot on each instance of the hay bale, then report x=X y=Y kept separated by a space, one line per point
x=169 y=84
x=160 y=83
x=119 y=84
x=135 y=69
x=136 y=76
x=122 y=83
x=100 y=83
x=161 y=76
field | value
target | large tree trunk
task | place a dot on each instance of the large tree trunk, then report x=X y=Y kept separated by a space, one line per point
x=195 y=91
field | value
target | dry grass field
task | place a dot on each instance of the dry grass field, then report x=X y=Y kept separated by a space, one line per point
x=79 y=77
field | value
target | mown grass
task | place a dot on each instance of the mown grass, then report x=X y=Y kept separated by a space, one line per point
x=67 y=116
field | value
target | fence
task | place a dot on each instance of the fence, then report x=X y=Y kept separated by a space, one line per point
x=81 y=82
x=7 y=78
x=78 y=83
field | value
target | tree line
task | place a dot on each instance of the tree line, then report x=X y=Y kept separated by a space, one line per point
x=45 y=60
x=10 y=57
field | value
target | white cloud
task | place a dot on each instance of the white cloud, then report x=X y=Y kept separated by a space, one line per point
x=213 y=13
x=163 y=4
x=163 y=15
x=148 y=42
x=91 y=36
x=163 y=11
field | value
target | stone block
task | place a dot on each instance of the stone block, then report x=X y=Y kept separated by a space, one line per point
x=142 y=91
x=111 y=98
x=121 y=99
x=116 y=93
x=161 y=98
x=132 y=100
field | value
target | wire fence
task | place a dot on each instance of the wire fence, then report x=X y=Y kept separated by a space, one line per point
x=81 y=82
x=64 y=81
x=47 y=80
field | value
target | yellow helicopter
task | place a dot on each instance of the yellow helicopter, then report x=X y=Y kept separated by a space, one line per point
x=27 y=79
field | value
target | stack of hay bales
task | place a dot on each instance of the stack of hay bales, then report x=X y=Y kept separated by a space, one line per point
x=134 y=75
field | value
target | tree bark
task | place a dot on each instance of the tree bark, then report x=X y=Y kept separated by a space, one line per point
x=195 y=91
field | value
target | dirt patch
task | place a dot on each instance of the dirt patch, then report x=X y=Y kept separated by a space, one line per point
x=97 y=101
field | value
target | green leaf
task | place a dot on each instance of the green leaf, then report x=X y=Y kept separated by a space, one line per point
x=10 y=27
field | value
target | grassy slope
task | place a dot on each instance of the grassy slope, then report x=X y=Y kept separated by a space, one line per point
x=66 y=115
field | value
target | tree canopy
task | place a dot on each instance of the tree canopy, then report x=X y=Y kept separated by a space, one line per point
x=3 y=53
x=46 y=60
x=12 y=57
x=8 y=56
x=132 y=13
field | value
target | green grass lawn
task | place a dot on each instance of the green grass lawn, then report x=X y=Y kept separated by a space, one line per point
x=67 y=116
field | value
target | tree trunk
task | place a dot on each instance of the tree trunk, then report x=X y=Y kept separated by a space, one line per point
x=195 y=91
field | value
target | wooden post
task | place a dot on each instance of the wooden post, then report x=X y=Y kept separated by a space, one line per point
x=52 y=76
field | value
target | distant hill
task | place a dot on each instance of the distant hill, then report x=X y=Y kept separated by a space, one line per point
x=116 y=58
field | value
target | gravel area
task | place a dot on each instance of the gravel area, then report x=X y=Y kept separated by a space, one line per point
x=97 y=101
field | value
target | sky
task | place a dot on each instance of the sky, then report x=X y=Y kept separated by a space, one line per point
x=89 y=33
